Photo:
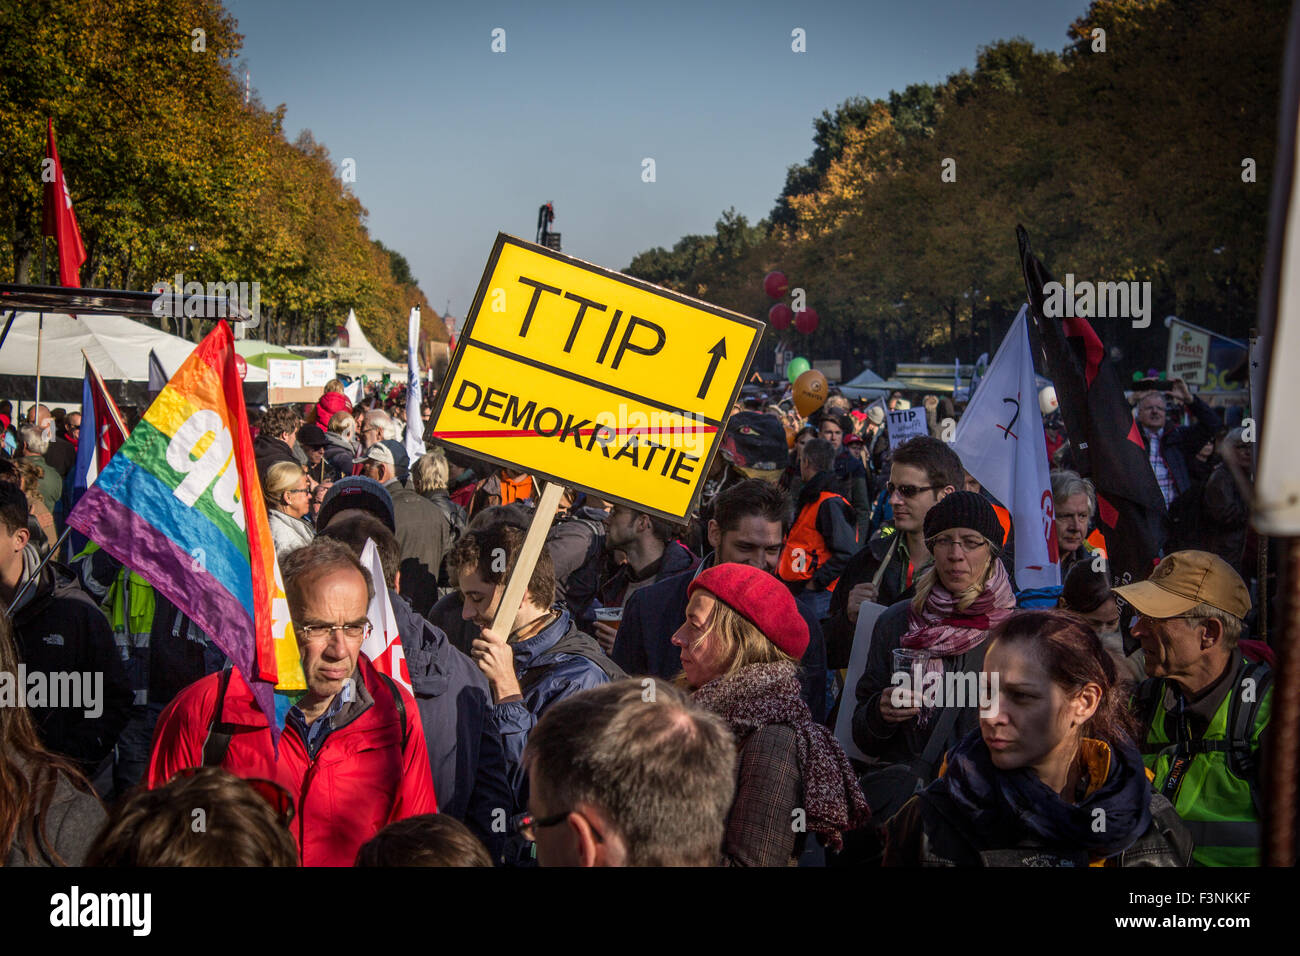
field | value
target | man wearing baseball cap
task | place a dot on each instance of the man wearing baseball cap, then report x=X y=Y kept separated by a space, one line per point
x=1205 y=707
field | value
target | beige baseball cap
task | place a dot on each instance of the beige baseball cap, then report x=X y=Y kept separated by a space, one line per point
x=1185 y=579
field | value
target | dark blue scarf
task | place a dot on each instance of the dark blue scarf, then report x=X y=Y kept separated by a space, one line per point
x=1015 y=804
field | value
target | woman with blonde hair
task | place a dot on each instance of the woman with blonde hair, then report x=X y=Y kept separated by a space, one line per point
x=741 y=644
x=288 y=499
x=963 y=595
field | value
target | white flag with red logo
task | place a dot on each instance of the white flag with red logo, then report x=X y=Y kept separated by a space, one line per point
x=383 y=645
x=1001 y=443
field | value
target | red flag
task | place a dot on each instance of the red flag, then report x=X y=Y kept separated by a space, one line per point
x=60 y=220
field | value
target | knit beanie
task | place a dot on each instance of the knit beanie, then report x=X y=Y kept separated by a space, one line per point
x=964 y=509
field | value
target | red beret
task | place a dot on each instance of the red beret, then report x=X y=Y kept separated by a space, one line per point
x=760 y=598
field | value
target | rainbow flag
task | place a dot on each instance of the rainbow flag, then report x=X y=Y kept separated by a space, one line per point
x=181 y=505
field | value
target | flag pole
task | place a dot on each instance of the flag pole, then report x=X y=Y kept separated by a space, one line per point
x=40 y=331
x=112 y=405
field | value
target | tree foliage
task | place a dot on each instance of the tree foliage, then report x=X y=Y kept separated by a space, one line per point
x=1123 y=165
x=170 y=171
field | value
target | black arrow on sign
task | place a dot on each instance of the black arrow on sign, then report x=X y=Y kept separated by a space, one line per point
x=719 y=352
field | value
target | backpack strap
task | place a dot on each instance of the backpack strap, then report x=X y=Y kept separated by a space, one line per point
x=217 y=743
x=401 y=708
x=1241 y=725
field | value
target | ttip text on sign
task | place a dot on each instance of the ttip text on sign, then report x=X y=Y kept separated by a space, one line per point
x=581 y=375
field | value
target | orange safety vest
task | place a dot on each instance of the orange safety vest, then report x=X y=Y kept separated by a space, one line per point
x=805 y=537
x=515 y=489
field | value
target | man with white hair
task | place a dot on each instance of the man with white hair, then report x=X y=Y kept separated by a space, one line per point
x=379 y=426
x=35 y=445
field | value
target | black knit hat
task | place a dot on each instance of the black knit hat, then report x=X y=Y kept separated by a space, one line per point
x=964 y=509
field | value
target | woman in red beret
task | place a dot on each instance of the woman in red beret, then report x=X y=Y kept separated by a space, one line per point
x=741 y=644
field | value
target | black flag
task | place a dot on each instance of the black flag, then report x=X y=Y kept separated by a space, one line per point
x=1103 y=433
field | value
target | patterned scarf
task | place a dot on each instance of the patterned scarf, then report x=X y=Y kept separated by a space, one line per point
x=1015 y=804
x=944 y=631
x=764 y=694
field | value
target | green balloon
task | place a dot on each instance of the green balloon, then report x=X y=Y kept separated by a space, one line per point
x=796 y=368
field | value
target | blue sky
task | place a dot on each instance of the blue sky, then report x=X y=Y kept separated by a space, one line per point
x=454 y=143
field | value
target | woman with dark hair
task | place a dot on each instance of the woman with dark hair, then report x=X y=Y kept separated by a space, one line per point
x=1052 y=776
x=741 y=644
x=1087 y=593
x=959 y=598
x=48 y=813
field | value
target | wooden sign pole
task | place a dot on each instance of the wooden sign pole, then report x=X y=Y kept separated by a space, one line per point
x=534 y=541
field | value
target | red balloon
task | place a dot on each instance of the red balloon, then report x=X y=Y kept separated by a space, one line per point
x=241 y=366
x=806 y=321
x=776 y=285
x=780 y=315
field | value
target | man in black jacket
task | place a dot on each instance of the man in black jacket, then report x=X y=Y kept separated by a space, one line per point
x=1171 y=447
x=74 y=680
x=276 y=438
x=652 y=555
x=824 y=535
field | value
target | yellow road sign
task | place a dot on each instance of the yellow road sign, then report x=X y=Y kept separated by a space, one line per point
x=582 y=375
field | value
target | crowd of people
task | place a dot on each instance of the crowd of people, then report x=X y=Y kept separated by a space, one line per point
x=666 y=693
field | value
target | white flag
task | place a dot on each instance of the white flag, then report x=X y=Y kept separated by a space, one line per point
x=383 y=646
x=414 y=421
x=1001 y=443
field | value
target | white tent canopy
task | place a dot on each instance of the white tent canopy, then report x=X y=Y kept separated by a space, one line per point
x=358 y=356
x=119 y=348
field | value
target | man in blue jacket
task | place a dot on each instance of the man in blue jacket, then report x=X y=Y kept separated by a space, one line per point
x=748 y=527
x=543 y=659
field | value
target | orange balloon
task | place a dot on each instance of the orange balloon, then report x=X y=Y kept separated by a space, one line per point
x=810 y=392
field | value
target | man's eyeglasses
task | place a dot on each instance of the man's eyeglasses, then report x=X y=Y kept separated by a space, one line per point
x=528 y=825
x=967 y=544
x=908 y=491
x=315 y=633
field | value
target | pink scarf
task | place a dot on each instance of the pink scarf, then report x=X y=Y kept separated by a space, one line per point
x=946 y=632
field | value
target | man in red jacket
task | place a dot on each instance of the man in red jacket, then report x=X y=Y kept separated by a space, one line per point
x=352 y=753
